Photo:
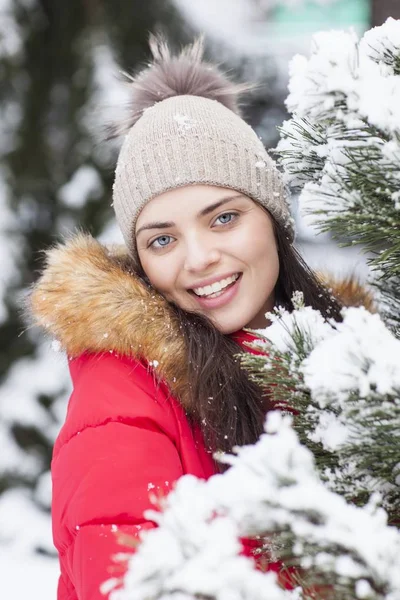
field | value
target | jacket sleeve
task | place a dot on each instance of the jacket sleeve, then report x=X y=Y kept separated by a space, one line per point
x=104 y=473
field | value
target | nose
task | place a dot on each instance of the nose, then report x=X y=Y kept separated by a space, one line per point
x=200 y=254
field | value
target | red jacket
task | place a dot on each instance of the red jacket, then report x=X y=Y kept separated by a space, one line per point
x=124 y=438
x=126 y=435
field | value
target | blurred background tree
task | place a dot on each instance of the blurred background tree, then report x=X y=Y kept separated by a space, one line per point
x=59 y=68
x=59 y=64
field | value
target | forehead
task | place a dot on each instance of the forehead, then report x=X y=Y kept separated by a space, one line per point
x=182 y=203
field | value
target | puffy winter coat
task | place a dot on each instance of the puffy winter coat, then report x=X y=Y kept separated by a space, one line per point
x=126 y=437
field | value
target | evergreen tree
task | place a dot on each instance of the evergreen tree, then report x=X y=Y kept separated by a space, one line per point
x=341 y=149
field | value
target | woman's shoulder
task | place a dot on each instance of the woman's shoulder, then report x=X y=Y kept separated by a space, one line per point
x=109 y=387
x=99 y=369
x=90 y=298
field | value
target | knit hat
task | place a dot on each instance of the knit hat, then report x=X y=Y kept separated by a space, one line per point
x=185 y=128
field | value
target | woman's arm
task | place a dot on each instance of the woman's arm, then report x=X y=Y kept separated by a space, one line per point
x=103 y=475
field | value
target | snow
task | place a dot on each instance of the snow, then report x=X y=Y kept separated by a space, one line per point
x=28 y=378
x=111 y=234
x=11 y=244
x=28 y=576
x=335 y=96
x=329 y=431
x=22 y=528
x=30 y=530
x=357 y=355
x=184 y=122
x=309 y=321
x=12 y=458
x=84 y=184
x=329 y=69
x=379 y=101
x=46 y=372
x=28 y=565
x=347 y=374
x=194 y=549
x=109 y=93
x=11 y=38
x=378 y=44
x=360 y=355
x=42 y=493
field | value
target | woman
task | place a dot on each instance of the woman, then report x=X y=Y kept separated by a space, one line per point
x=153 y=333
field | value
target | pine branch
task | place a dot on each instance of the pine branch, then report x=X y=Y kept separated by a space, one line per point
x=352 y=431
x=320 y=537
x=341 y=148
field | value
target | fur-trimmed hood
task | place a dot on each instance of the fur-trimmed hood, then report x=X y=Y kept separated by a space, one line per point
x=90 y=298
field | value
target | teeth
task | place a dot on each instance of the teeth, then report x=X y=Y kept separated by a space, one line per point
x=215 y=287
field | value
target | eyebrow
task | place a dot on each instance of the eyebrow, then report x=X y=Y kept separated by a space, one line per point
x=206 y=211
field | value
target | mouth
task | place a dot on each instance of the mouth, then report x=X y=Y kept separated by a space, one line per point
x=217 y=294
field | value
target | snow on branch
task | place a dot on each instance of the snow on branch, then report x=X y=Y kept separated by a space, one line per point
x=342 y=145
x=344 y=381
x=194 y=550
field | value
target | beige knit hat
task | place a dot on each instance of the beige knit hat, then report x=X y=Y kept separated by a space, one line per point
x=185 y=129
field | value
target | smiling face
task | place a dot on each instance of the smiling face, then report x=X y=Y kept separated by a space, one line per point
x=210 y=250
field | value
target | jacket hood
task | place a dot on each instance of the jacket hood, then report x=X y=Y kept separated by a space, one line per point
x=90 y=298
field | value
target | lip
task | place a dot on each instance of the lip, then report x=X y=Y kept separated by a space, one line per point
x=212 y=280
x=229 y=293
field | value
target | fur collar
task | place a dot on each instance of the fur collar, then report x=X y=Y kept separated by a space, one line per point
x=91 y=300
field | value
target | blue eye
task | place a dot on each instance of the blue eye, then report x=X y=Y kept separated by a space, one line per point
x=161 y=242
x=226 y=218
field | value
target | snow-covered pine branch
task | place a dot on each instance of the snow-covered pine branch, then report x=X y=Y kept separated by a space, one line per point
x=194 y=550
x=343 y=379
x=342 y=145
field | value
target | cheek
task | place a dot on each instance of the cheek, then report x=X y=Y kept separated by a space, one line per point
x=258 y=247
x=160 y=272
x=269 y=260
x=156 y=276
x=265 y=274
x=263 y=260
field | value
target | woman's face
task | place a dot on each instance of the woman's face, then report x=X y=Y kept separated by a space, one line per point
x=210 y=250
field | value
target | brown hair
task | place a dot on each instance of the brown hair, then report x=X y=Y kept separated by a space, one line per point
x=229 y=407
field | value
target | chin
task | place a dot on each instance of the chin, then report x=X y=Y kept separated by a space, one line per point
x=232 y=324
x=225 y=323
x=229 y=326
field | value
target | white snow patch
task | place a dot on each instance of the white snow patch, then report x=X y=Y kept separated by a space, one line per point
x=84 y=185
x=361 y=354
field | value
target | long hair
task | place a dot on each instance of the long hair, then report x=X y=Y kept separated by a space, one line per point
x=228 y=406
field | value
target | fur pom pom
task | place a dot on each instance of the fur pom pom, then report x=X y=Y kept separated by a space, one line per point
x=184 y=74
